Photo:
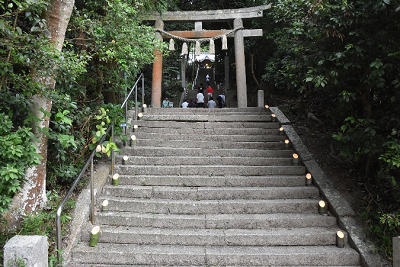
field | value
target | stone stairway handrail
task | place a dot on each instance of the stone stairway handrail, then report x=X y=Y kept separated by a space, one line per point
x=75 y=183
x=110 y=130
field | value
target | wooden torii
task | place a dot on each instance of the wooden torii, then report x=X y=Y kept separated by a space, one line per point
x=237 y=15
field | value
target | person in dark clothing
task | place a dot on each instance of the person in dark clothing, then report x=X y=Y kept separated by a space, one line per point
x=221 y=100
x=191 y=104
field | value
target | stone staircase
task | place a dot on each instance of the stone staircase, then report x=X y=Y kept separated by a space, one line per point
x=211 y=187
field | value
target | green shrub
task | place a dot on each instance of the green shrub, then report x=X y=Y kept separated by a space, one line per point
x=17 y=152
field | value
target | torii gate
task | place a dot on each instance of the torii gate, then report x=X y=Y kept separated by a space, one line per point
x=237 y=15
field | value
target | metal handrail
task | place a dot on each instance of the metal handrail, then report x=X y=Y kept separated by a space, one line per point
x=90 y=161
x=77 y=180
x=134 y=88
x=197 y=76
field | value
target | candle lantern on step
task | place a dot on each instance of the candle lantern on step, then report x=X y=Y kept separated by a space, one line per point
x=273 y=117
x=308 y=179
x=104 y=206
x=140 y=115
x=287 y=143
x=340 y=239
x=135 y=127
x=125 y=160
x=281 y=131
x=266 y=107
x=94 y=236
x=322 y=207
x=133 y=140
x=115 y=179
x=295 y=159
x=144 y=108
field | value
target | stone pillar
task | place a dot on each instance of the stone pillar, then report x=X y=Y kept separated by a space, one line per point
x=198 y=26
x=29 y=251
x=260 y=98
x=396 y=251
x=157 y=70
x=240 y=65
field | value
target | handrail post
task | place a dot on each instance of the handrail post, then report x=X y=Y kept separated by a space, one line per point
x=142 y=89
x=126 y=119
x=112 y=151
x=136 y=105
x=58 y=230
x=92 y=219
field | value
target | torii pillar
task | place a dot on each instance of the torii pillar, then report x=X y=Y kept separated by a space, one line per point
x=157 y=69
x=240 y=65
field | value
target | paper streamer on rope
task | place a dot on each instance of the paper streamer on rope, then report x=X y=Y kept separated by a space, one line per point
x=212 y=46
x=171 y=45
x=184 y=49
x=197 y=51
x=224 y=43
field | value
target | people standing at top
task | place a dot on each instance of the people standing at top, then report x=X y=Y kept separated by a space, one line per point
x=209 y=92
x=200 y=100
x=208 y=79
x=165 y=103
x=221 y=100
x=185 y=104
x=211 y=103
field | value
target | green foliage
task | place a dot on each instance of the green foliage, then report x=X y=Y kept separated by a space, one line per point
x=347 y=50
x=20 y=263
x=359 y=138
x=23 y=47
x=392 y=222
x=74 y=133
x=16 y=153
x=115 y=40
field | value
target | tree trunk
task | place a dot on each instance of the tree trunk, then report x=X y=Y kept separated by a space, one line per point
x=366 y=102
x=252 y=71
x=33 y=194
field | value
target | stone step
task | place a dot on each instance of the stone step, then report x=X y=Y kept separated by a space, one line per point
x=164 y=255
x=213 y=137
x=214 y=181
x=210 y=144
x=210 y=193
x=215 y=221
x=206 y=131
x=200 y=152
x=251 y=110
x=218 y=237
x=215 y=126
x=207 y=117
x=143 y=265
x=217 y=170
x=211 y=161
x=168 y=206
